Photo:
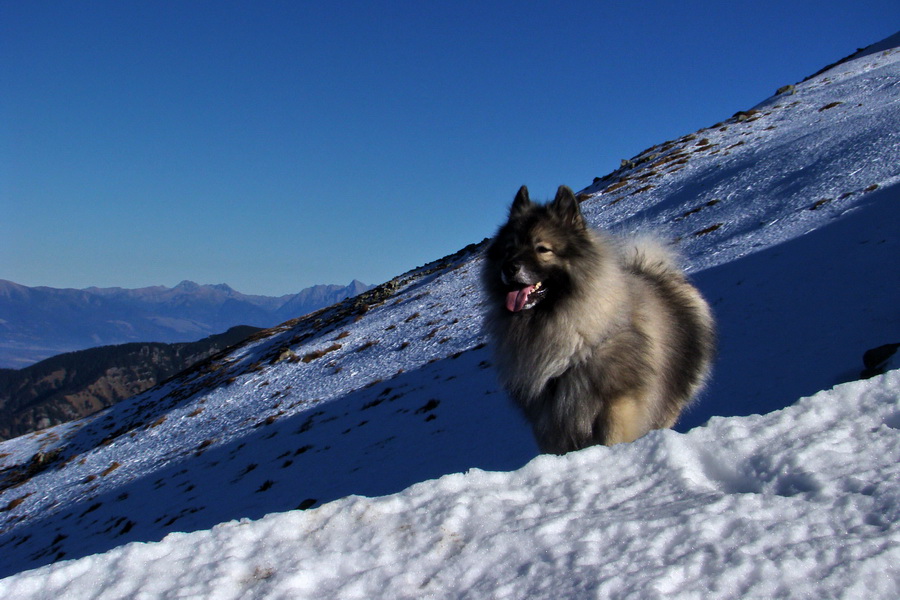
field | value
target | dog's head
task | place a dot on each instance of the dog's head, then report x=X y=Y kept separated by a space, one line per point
x=529 y=263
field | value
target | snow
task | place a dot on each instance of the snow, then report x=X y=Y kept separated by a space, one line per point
x=779 y=505
x=367 y=451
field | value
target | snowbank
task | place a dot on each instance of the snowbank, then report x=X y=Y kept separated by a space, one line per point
x=802 y=502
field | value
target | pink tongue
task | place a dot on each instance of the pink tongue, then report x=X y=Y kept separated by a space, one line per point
x=516 y=299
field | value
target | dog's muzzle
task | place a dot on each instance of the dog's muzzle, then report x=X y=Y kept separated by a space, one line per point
x=525 y=298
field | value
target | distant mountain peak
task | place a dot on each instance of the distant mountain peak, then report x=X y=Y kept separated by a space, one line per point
x=187 y=286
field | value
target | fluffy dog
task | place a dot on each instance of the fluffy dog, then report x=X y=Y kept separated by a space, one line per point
x=598 y=341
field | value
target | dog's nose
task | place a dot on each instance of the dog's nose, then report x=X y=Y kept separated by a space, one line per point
x=509 y=271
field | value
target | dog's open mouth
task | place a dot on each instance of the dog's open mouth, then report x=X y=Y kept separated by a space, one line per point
x=525 y=298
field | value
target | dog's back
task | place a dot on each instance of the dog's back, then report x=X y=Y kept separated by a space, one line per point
x=678 y=321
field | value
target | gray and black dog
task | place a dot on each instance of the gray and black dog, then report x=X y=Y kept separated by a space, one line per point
x=597 y=340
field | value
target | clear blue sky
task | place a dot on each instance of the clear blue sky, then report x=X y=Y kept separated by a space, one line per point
x=276 y=145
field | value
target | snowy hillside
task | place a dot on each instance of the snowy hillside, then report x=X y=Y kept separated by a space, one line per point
x=787 y=217
x=771 y=506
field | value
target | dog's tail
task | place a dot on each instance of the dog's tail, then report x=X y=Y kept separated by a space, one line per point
x=648 y=255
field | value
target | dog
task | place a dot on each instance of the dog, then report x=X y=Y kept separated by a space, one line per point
x=598 y=341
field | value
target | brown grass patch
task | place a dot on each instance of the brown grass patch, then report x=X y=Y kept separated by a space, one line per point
x=709 y=229
x=615 y=186
x=14 y=503
x=115 y=465
x=320 y=353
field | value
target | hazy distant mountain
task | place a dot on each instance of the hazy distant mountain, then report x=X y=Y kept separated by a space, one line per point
x=318 y=296
x=38 y=322
x=77 y=384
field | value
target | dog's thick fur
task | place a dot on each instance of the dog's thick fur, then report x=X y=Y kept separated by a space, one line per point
x=598 y=341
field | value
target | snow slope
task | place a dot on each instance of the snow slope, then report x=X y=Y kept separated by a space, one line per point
x=770 y=506
x=786 y=216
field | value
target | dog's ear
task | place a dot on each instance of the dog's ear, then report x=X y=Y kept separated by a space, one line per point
x=566 y=207
x=521 y=202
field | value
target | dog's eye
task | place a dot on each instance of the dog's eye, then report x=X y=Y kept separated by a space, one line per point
x=542 y=249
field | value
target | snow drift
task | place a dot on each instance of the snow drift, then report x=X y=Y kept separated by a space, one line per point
x=802 y=502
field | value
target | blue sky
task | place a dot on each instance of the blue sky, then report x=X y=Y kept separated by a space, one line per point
x=277 y=145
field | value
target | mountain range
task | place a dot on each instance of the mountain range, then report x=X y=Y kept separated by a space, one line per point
x=367 y=450
x=39 y=322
